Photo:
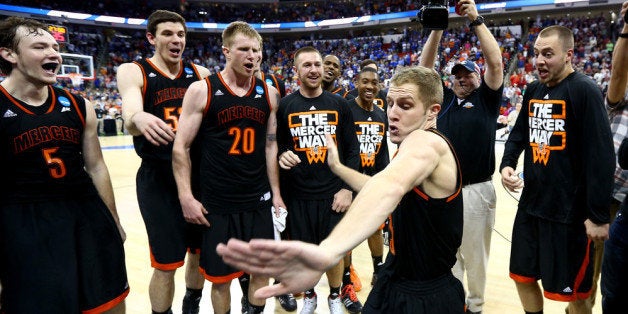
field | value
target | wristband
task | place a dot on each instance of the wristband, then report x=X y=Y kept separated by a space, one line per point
x=623 y=35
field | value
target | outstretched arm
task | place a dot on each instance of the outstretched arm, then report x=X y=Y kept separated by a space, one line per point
x=298 y=265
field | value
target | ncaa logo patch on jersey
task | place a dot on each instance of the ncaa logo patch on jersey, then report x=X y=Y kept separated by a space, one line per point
x=259 y=90
x=467 y=105
x=269 y=82
x=188 y=72
x=65 y=102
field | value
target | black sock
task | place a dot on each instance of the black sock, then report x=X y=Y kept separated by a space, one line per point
x=309 y=293
x=168 y=311
x=193 y=293
x=539 y=312
x=334 y=292
x=257 y=309
x=346 y=276
x=377 y=263
x=244 y=283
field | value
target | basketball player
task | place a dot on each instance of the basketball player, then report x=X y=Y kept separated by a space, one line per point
x=316 y=198
x=61 y=242
x=287 y=301
x=370 y=126
x=569 y=163
x=152 y=91
x=420 y=189
x=331 y=73
x=231 y=115
x=380 y=99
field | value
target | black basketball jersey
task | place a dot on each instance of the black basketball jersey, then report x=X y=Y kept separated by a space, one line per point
x=370 y=128
x=41 y=148
x=163 y=97
x=273 y=80
x=426 y=232
x=232 y=140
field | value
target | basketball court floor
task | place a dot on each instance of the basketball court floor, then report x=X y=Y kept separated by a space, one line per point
x=501 y=295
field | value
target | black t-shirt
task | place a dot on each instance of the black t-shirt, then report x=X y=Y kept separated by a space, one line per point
x=470 y=125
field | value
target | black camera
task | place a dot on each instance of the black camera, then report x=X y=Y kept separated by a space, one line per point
x=434 y=14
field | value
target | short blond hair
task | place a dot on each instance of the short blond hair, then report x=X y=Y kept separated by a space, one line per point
x=239 y=27
x=427 y=80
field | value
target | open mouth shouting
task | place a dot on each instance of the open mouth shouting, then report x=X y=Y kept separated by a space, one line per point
x=175 y=52
x=50 y=67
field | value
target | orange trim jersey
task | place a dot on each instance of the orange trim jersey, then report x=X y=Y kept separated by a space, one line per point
x=426 y=232
x=273 y=80
x=40 y=148
x=232 y=144
x=163 y=98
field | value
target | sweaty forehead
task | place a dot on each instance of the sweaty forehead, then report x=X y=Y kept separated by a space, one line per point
x=547 y=42
x=407 y=90
x=24 y=33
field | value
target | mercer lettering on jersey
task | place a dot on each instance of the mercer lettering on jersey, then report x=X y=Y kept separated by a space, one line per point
x=34 y=137
x=370 y=136
x=546 y=120
x=308 y=131
x=241 y=112
x=170 y=93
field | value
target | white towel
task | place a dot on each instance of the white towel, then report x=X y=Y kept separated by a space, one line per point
x=279 y=222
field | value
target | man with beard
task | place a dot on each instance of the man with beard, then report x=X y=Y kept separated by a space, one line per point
x=316 y=198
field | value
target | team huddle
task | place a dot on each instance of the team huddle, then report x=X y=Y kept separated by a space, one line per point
x=223 y=155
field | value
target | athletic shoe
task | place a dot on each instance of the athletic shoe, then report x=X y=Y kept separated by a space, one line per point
x=287 y=302
x=309 y=305
x=190 y=305
x=335 y=305
x=350 y=299
x=355 y=280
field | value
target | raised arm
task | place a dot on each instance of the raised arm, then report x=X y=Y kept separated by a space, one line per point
x=619 y=70
x=430 y=49
x=494 y=74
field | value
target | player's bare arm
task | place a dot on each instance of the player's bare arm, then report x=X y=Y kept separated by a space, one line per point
x=96 y=167
x=189 y=122
x=272 y=167
x=136 y=120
